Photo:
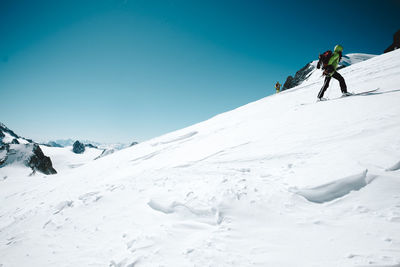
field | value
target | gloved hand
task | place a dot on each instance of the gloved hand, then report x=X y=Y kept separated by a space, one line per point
x=329 y=69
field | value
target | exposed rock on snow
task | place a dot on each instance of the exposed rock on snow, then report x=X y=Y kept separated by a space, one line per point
x=78 y=147
x=133 y=144
x=4 y=130
x=38 y=161
x=1 y=136
x=17 y=150
x=299 y=77
x=14 y=141
x=28 y=154
x=396 y=43
x=90 y=145
x=64 y=158
x=70 y=142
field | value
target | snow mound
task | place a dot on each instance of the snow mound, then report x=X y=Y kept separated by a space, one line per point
x=336 y=189
x=395 y=167
x=64 y=159
x=206 y=215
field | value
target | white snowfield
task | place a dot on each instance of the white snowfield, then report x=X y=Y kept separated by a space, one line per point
x=283 y=181
x=63 y=158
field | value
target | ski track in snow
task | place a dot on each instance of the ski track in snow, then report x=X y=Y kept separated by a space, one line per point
x=272 y=183
x=180 y=138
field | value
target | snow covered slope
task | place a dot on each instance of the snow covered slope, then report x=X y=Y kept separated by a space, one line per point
x=61 y=152
x=64 y=158
x=315 y=185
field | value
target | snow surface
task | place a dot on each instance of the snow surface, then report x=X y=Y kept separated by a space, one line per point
x=282 y=181
x=63 y=158
x=19 y=154
x=7 y=138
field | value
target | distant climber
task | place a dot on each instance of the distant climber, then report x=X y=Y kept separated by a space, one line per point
x=278 y=87
x=329 y=62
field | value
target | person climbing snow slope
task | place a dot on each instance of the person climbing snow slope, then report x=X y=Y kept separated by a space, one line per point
x=329 y=62
x=278 y=87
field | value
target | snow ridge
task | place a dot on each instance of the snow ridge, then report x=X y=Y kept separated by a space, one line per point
x=336 y=189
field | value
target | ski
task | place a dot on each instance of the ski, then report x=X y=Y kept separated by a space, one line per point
x=365 y=93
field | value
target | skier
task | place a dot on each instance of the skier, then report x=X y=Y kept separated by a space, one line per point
x=278 y=87
x=329 y=62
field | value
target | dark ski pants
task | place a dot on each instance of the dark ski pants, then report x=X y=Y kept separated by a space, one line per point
x=338 y=77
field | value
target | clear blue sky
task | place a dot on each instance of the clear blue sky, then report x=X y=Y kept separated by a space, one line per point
x=126 y=70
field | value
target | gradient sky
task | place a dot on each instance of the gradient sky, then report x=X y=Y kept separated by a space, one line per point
x=130 y=70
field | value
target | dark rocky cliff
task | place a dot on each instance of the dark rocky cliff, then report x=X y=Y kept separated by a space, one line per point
x=299 y=77
x=396 y=42
x=15 y=149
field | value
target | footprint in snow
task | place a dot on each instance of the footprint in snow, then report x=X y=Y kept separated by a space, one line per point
x=63 y=205
x=112 y=187
x=90 y=197
x=140 y=243
x=208 y=215
x=124 y=263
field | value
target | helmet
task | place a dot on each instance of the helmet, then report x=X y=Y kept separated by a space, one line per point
x=338 y=48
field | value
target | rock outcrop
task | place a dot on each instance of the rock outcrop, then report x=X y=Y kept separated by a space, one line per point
x=396 y=42
x=78 y=147
x=18 y=150
x=38 y=161
x=299 y=77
